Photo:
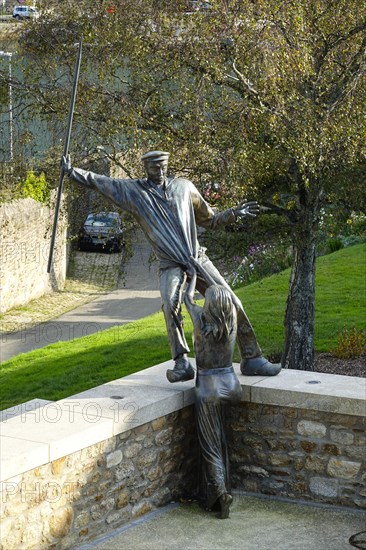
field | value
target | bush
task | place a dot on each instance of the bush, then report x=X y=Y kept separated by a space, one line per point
x=338 y=230
x=357 y=223
x=350 y=343
x=351 y=240
x=260 y=261
x=35 y=187
x=335 y=244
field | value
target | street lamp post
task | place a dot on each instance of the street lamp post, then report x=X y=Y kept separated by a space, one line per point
x=8 y=55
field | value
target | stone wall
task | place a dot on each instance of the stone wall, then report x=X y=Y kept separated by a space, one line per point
x=77 y=468
x=25 y=233
x=299 y=453
x=81 y=496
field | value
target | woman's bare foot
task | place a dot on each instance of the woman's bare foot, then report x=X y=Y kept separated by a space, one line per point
x=225 y=503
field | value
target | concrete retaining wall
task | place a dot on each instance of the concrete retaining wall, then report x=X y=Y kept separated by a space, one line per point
x=74 y=469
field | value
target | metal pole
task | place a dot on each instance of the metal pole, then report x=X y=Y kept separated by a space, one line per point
x=65 y=153
x=8 y=55
x=10 y=110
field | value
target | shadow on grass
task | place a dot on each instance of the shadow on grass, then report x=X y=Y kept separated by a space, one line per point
x=63 y=369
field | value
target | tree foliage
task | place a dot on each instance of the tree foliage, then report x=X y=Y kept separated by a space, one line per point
x=266 y=98
x=272 y=87
x=35 y=187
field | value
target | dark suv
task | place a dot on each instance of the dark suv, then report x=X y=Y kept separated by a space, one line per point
x=102 y=230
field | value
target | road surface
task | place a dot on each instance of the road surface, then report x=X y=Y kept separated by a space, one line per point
x=137 y=296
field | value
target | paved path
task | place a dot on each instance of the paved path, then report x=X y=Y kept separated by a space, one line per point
x=254 y=524
x=137 y=296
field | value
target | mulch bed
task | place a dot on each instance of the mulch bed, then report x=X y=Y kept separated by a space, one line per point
x=325 y=362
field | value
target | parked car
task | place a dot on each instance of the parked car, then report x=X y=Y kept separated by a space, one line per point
x=102 y=230
x=25 y=12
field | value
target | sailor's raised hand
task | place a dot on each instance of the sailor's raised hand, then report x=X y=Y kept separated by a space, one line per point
x=66 y=164
x=250 y=208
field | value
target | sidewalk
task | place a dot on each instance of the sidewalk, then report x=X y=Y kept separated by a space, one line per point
x=137 y=296
x=254 y=524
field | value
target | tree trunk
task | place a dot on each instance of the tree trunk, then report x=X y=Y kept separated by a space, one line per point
x=299 y=317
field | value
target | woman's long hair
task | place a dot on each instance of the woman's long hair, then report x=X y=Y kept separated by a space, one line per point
x=219 y=314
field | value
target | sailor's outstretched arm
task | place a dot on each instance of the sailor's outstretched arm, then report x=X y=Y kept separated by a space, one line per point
x=103 y=184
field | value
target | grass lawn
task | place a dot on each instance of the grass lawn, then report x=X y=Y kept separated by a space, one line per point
x=65 y=368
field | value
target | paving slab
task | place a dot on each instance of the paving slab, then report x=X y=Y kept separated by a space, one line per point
x=254 y=524
x=62 y=429
x=315 y=390
x=156 y=377
x=23 y=408
x=127 y=403
x=33 y=455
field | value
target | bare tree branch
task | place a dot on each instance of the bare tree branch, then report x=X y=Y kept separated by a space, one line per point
x=331 y=45
x=351 y=76
x=291 y=215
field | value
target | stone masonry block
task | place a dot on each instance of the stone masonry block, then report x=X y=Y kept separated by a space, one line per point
x=60 y=521
x=343 y=468
x=315 y=463
x=356 y=453
x=324 y=487
x=114 y=458
x=141 y=508
x=339 y=435
x=164 y=437
x=132 y=450
x=309 y=428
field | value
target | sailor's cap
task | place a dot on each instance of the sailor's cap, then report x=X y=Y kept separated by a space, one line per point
x=155 y=156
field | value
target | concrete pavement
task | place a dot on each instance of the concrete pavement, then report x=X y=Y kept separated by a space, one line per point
x=254 y=524
x=137 y=296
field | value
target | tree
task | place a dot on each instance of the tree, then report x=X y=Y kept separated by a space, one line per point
x=266 y=97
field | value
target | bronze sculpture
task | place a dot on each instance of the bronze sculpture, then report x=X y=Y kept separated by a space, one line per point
x=214 y=335
x=167 y=210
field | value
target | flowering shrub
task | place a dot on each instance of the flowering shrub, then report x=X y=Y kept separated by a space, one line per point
x=260 y=261
x=272 y=256
x=336 y=233
x=356 y=224
x=350 y=343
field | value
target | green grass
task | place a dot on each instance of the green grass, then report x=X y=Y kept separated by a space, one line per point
x=340 y=300
x=65 y=368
